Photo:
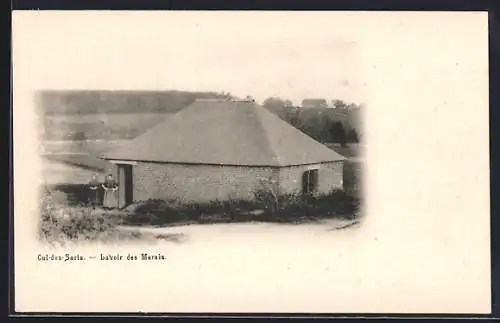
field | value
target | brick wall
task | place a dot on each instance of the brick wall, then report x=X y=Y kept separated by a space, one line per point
x=197 y=182
x=111 y=169
x=330 y=176
x=204 y=183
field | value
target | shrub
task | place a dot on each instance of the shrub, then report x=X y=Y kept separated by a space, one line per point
x=54 y=197
x=294 y=206
x=69 y=194
x=266 y=199
x=79 y=136
x=158 y=212
x=265 y=207
x=59 y=224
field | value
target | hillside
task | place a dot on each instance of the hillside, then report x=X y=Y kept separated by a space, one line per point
x=108 y=115
x=110 y=102
x=116 y=115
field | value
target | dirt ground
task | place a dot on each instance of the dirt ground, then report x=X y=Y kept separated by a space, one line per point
x=62 y=173
x=197 y=233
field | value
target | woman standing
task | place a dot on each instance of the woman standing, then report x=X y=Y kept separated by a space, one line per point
x=94 y=187
x=110 y=187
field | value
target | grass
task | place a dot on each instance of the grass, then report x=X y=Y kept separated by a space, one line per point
x=82 y=161
x=60 y=224
x=66 y=214
x=71 y=147
x=287 y=209
x=99 y=126
x=63 y=221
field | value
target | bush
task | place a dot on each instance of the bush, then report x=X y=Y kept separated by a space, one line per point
x=69 y=194
x=266 y=207
x=79 y=136
x=59 y=224
x=290 y=206
x=157 y=212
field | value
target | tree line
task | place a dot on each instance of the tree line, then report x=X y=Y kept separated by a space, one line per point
x=338 y=125
x=108 y=102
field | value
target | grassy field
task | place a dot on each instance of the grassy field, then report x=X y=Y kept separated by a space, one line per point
x=72 y=147
x=59 y=173
x=72 y=162
x=66 y=219
x=98 y=126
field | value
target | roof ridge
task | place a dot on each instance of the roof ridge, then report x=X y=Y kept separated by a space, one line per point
x=267 y=134
x=231 y=135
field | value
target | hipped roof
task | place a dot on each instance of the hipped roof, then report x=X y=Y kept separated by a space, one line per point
x=225 y=133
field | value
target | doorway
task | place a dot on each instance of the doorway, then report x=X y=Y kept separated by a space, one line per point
x=126 y=182
x=310 y=181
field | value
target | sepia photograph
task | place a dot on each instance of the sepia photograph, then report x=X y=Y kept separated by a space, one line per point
x=127 y=164
x=251 y=162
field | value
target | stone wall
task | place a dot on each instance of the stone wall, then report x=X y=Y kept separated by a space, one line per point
x=203 y=183
x=330 y=177
x=197 y=182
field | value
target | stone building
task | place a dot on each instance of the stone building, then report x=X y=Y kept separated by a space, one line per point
x=217 y=150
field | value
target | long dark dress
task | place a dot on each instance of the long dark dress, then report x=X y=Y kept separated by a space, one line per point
x=110 y=194
x=94 y=187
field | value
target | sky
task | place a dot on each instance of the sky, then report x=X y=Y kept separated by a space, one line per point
x=426 y=136
x=261 y=54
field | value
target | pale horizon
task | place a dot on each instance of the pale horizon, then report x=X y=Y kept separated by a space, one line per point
x=199 y=51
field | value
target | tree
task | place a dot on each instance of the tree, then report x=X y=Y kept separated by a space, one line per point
x=274 y=102
x=352 y=136
x=79 y=136
x=275 y=105
x=226 y=95
x=270 y=193
x=339 y=104
x=293 y=117
x=324 y=130
x=338 y=134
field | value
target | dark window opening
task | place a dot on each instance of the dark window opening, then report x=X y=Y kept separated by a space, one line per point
x=310 y=181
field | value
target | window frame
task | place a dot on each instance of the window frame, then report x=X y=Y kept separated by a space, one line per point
x=311 y=176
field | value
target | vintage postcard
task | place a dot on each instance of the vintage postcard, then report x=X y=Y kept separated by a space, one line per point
x=251 y=162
